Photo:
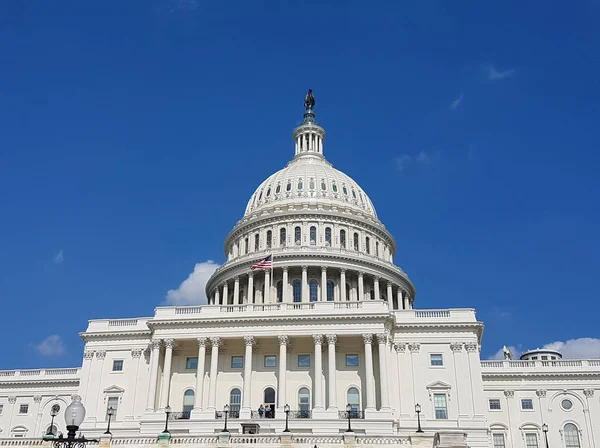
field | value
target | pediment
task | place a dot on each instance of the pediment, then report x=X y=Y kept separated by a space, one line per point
x=114 y=389
x=439 y=385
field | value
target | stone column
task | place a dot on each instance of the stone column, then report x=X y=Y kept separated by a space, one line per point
x=217 y=297
x=323 y=284
x=318 y=386
x=281 y=389
x=166 y=383
x=251 y=287
x=331 y=377
x=383 y=380
x=376 y=289
x=247 y=386
x=399 y=299
x=266 y=295
x=236 y=290
x=155 y=346
x=304 y=283
x=200 y=373
x=369 y=379
x=361 y=287
x=225 y=294
x=285 y=285
x=214 y=362
x=342 y=285
x=390 y=294
x=405 y=301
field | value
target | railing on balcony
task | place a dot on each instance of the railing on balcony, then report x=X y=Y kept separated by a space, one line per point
x=230 y=414
x=353 y=414
x=574 y=364
x=257 y=415
x=301 y=414
x=185 y=415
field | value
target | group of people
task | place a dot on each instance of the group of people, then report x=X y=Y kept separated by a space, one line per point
x=266 y=411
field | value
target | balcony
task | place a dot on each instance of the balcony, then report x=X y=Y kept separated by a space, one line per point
x=185 y=415
x=70 y=374
x=118 y=325
x=560 y=365
x=353 y=415
x=452 y=315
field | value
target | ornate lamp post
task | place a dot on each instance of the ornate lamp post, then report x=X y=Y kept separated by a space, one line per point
x=418 y=411
x=53 y=413
x=226 y=411
x=167 y=413
x=74 y=415
x=545 y=429
x=349 y=412
x=286 y=409
x=110 y=413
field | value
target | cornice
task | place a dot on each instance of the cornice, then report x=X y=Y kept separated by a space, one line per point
x=41 y=382
x=135 y=334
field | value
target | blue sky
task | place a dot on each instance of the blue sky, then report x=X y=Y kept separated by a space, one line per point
x=133 y=133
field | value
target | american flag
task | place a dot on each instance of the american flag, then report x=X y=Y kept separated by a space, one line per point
x=265 y=264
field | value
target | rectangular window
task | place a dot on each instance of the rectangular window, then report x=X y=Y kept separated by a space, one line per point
x=351 y=360
x=23 y=409
x=270 y=361
x=117 y=365
x=237 y=362
x=531 y=440
x=494 y=404
x=527 y=404
x=113 y=402
x=191 y=363
x=1 y=408
x=499 y=441
x=303 y=360
x=436 y=360
x=441 y=408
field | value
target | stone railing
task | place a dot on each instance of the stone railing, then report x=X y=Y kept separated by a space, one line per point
x=563 y=364
x=117 y=325
x=447 y=315
x=48 y=374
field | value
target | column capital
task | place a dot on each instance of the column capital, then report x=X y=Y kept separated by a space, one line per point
x=589 y=393
x=400 y=347
x=251 y=274
x=201 y=341
x=236 y=278
x=318 y=339
x=249 y=341
x=286 y=268
x=283 y=339
x=215 y=341
x=88 y=354
x=101 y=354
x=471 y=346
x=367 y=338
x=331 y=339
x=169 y=342
x=414 y=347
x=304 y=268
x=361 y=274
x=541 y=393
x=376 y=278
x=456 y=347
x=381 y=338
x=343 y=270
x=323 y=268
x=509 y=393
x=37 y=398
x=136 y=352
x=155 y=344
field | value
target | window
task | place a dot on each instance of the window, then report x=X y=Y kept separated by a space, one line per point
x=191 y=363
x=571 y=436
x=436 y=360
x=297 y=289
x=441 y=408
x=282 y=237
x=299 y=184
x=544 y=358
x=278 y=189
x=313 y=235
x=237 y=362
x=270 y=361
x=353 y=194
x=330 y=288
x=113 y=402
x=1 y=408
x=334 y=187
x=269 y=239
x=117 y=365
x=246 y=246
x=303 y=360
x=494 y=404
x=527 y=404
x=235 y=401
x=355 y=241
x=377 y=248
x=328 y=236
x=353 y=396
x=566 y=404
x=298 y=235
x=351 y=360
x=188 y=402
x=19 y=432
x=304 y=402
x=289 y=186
x=280 y=291
x=499 y=441
x=531 y=440
x=269 y=397
x=311 y=184
x=368 y=245
x=314 y=290
x=323 y=185
x=256 y=242
x=344 y=190
x=23 y=409
x=343 y=239
x=269 y=192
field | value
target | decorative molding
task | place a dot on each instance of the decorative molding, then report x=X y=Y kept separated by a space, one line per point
x=318 y=339
x=136 y=352
x=456 y=347
x=471 y=347
x=249 y=341
x=12 y=399
x=331 y=339
x=215 y=341
x=169 y=343
x=155 y=344
x=367 y=338
x=88 y=354
x=37 y=398
x=202 y=341
x=589 y=393
x=414 y=347
x=400 y=347
x=541 y=393
x=381 y=338
x=509 y=393
x=101 y=354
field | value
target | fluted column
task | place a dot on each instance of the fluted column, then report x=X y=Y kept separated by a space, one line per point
x=383 y=379
x=331 y=377
x=217 y=297
x=281 y=389
x=285 y=286
x=225 y=294
x=405 y=301
x=376 y=288
x=369 y=379
x=251 y=287
x=304 y=283
x=166 y=383
x=361 y=287
x=214 y=362
x=200 y=373
x=323 y=284
x=342 y=285
x=389 y=294
x=399 y=299
x=151 y=403
x=266 y=295
x=247 y=394
x=318 y=381
x=236 y=290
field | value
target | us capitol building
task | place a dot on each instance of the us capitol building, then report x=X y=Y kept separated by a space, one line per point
x=327 y=342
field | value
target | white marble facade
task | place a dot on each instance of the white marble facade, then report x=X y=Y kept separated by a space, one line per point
x=331 y=324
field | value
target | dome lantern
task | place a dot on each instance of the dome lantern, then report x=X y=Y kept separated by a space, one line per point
x=309 y=135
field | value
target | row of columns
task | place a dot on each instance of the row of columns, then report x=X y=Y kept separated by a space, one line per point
x=318 y=396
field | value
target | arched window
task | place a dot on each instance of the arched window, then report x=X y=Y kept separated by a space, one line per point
x=256 y=242
x=314 y=290
x=334 y=187
x=269 y=239
x=353 y=194
x=330 y=287
x=344 y=190
x=300 y=184
x=377 y=248
x=269 y=397
x=313 y=235
x=289 y=186
x=280 y=291
x=354 y=401
x=323 y=185
x=282 y=237
x=246 y=248
x=355 y=241
x=343 y=239
x=278 y=189
x=298 y=235
x=347 y=292
x=311 y=184
x=571 y=436
x=328 y=236
x=297 y=286
x=304 y=402
x=188 y=402
x=260 y=195
x=235 y=401
x=269 y=192
x=368 y=245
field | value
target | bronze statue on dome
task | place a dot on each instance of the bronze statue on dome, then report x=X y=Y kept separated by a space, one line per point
x=309 y=100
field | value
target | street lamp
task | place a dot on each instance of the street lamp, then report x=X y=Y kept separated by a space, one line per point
x=418 y=411
x=74 y=415
x=167 y=413
x=110 y=412
x=349 y=412
x=545 y=429
x=286 y=409
x=53 y=413
x=226 y=411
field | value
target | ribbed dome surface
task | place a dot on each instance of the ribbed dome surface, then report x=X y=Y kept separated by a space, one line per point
x=310 y=178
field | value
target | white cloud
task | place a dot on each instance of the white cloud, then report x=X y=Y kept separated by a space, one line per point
x=59 y=257
x=494 y=74
x=191 y=290
x=457 y=102
x=51 y=346
x=402 y=161
x=423 y=158
x=577 y=348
